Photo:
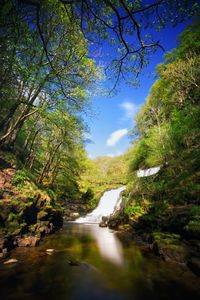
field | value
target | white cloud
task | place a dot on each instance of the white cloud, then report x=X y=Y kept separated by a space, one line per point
x=116 y=136
x=129 y=108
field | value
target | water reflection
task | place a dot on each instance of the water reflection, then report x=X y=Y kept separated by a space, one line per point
x=107 y=269
x=109 y=245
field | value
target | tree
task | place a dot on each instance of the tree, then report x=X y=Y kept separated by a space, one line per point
x=124 y=24
x=42 y=79
x=167 y=127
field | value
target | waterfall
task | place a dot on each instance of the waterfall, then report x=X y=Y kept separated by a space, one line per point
x=108 y=204
x=148 y=172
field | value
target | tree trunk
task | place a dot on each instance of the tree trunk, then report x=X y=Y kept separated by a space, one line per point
x=4 y=123
x=32 y=144
x=10 y=135
x=48 y=164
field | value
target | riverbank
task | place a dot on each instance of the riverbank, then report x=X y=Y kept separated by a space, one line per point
x=173 y=235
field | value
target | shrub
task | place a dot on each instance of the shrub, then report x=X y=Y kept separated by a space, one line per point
x=20 y=178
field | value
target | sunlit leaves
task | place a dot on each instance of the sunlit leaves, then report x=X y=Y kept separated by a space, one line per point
x=167 y=127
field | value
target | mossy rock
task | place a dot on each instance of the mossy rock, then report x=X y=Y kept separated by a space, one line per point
x=169 y=247
x=166 y=238
x=29 y=214
x=13 y=227
x=192 y=229
x=42 y=215
x=44 y=201
x=12 y=217
x=33 y=228
x=118 y=219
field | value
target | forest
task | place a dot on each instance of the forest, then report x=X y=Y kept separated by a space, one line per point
x=48 y=78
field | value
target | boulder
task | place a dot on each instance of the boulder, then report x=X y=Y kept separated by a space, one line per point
x=30 y=214
x=57 y=219
x=118 y=219
x=44 y=230
x=192 y=229
x=105 y=219
x=4 y=253
x=2 y=181
x=42 y=201
x=102 y=224
x=3 y=243
x=74 y=214
x=42 y=216
x=169 y=247
x=27 y=241
x=73 y=262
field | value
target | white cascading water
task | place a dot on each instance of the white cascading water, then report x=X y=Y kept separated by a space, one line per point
x=108 y=204
x=148 y=172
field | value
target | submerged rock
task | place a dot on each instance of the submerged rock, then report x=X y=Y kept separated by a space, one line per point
x=50 y=251
x=73 y=262
x=11 y=261
x=102 y=224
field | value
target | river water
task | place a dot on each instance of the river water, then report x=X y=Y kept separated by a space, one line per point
x=92 y=263
x=107 y=268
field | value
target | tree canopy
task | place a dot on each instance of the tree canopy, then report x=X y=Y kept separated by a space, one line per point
x=125 y=27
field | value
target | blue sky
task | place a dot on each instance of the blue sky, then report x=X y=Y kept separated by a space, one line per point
x=113 y=116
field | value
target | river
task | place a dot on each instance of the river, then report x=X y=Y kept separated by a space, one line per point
x=92 y=263
x=108 y=269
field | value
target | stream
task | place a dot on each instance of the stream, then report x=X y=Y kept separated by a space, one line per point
x=90 y=262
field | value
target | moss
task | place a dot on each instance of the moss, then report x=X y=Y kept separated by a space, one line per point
x=134 y=212
x=19 y=178
x=33 y=228
x=12 y=217
x=42 y=215
x=193 y=226
x=13 y=227
x=167 y=238
x=195 y=210
x=169 y=246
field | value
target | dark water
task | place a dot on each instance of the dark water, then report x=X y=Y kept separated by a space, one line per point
x=108 y=270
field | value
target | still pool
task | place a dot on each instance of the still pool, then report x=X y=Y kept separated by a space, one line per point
x=102 y=268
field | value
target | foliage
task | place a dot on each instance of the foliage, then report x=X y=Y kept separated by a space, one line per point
x=44 y=94
x=193 y=226
x=20 y=178
x=134 y=210
x=109 y=25
x=101 y=174
x=167 y=129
